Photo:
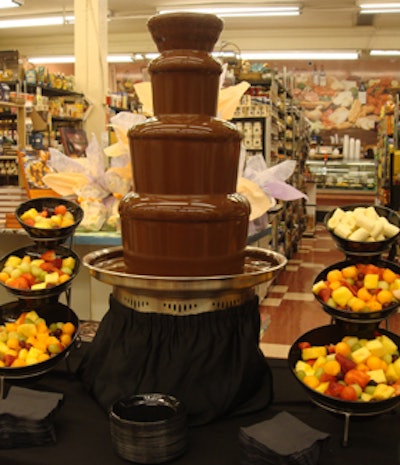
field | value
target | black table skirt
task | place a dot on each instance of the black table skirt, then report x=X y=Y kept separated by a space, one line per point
x=83 y=433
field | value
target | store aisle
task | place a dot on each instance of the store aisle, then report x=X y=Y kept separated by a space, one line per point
x=290 y=309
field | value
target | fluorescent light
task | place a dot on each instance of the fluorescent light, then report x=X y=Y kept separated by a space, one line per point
x=304 y=55
x=371 y=8
x=11 y=3
x=385 y=53
x=52 y=59
x=233 y=12
x=33 y=22
x=119 y=58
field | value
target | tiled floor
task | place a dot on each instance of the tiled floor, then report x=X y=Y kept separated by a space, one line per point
x=289 y=309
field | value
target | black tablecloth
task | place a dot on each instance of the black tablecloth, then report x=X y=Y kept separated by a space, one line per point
x=83 y=433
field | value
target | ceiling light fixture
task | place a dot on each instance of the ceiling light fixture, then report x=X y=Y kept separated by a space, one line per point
x=11 y=3
x=379 y=7
x=303 y=55
x=233 y=12
x=385 y=53
x=39 y=21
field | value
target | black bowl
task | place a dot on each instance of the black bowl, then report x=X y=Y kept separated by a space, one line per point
x=365 y=248
x=52 y=313
x=333 y=334
x=55 y=235
x=35 y=251
x=148 y=428
x=348 y=315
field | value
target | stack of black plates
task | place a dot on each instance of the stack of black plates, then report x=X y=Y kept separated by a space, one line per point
x=284 y=439
x=27 y=418
x=149 y=428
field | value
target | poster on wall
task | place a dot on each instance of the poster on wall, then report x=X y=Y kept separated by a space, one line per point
x=335 y=102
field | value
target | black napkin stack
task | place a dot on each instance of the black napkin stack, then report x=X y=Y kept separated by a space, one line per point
x=282 y=440
x=27 y=418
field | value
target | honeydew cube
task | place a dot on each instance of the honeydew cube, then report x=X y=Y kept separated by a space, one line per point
x=313 y=352
x=342 y=295
x=365 y=397
x=391 y=374
x=37 y=262
x=360 y=355
x=388 y=344
x=352 y=340
x=377 y=375
x=376 y=347
x=383 y=392
x=303 y=366
x=371 y=281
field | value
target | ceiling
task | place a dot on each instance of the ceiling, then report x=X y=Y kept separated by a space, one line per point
x=323 y=24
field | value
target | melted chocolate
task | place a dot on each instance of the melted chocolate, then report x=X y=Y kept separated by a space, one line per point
x=185 y=218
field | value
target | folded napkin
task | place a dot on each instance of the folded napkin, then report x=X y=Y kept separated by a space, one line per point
x=26 y=417
x=282 y=440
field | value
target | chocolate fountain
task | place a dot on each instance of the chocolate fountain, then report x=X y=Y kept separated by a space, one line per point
x=183 y=317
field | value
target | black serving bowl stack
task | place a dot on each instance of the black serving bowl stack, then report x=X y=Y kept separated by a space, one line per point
x=44 y=301
x=350 y=323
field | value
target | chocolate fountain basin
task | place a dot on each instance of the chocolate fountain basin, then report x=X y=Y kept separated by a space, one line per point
x=260 y=265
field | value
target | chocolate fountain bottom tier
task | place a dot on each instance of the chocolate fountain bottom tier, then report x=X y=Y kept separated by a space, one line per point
x=185 y=154
x=184 y=235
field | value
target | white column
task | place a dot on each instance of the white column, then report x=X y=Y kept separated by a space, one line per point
x=91 y=72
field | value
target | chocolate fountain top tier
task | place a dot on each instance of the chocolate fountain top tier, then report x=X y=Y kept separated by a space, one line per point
x=185 y=77
x=192 y=31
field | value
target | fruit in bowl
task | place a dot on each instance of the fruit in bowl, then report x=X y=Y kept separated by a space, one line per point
x=30 y=340
x=45 y=271
x=352 y=369
x=358 y=287
x=48 y=217
x=361 y=224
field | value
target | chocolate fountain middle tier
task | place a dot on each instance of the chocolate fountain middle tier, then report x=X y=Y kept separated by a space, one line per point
x=185 y=154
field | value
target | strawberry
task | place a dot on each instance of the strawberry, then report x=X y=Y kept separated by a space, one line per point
x=57 y=262
x=48 y=256
x=325 y=294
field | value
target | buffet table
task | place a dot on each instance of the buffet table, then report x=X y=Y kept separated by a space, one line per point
x=83 y=434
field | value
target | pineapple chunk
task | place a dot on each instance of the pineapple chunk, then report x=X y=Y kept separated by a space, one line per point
x=322 y=387
x=376 y=347
x=313 y=352
x=383 y=392
x=303 y=366
x=377 y=375
x=342 y=295
x=389 y=345
x=391 y=374
x=365 y=397
x=360 y=355
x=52 y=278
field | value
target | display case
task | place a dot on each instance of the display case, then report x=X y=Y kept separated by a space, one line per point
x=344 y=175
